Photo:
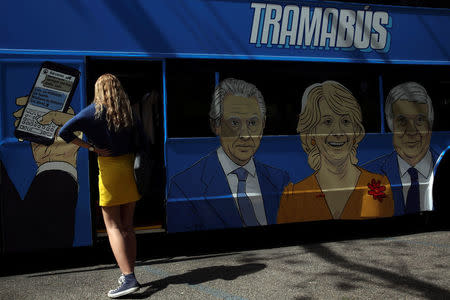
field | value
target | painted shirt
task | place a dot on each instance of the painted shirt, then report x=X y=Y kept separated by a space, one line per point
x=305 y=201
x=425 y=176
x=252 y=184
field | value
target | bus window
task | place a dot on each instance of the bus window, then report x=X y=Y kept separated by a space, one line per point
x=198 y=197
x=190 y=85
x=434 y=79
x=283 y=83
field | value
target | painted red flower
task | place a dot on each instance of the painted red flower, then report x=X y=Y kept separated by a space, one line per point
x=376 y=190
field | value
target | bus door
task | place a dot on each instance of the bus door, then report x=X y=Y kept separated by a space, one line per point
x=142 y=81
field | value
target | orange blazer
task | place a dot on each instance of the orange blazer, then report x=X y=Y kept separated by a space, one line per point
x=305 y=201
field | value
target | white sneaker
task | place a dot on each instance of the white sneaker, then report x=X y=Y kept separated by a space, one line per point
x=121 y=279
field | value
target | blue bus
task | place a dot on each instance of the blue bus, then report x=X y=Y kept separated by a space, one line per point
x=255 y=112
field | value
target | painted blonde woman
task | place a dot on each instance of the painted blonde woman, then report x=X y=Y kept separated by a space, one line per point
x=330 y=127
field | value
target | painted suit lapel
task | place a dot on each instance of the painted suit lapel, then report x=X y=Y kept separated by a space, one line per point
x=269 y=193
x=390 y=168
x=218 y=194
x=434 y=156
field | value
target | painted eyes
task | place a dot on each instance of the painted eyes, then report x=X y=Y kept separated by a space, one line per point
x=236 y=123
x=419 y=120
x=253 y=122
x=402 y=121
x=328 y=121
x=345 y=121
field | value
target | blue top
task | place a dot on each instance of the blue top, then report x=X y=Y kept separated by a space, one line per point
x=97 y=132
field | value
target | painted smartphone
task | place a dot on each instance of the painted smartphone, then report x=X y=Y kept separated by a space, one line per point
x=52 y=91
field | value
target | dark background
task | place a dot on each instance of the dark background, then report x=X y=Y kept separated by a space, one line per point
x=190 y=85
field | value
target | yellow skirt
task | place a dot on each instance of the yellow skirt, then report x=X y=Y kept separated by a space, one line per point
x=116 y=182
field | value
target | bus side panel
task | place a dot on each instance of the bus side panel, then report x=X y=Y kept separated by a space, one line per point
x=196 y=200
x=45 y=189
x=149 y=27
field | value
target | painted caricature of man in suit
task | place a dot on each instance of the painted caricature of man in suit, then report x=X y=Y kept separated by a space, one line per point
x=228 y=187
x=409 y=114
x=45 y=217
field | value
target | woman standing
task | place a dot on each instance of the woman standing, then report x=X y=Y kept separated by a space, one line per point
x=330 y=127
x=108 y=122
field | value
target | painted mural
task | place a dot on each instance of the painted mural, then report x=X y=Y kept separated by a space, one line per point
x=330 y=127
x=335 y=166
x=409 y=114
x=41 y=189
x=230 y=188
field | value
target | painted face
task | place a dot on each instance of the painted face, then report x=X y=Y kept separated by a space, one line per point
x=334 y=135
x=241 y=128
x=412 y=132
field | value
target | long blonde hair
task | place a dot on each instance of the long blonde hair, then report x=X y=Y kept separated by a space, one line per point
x=110 y=96
x=341 y=101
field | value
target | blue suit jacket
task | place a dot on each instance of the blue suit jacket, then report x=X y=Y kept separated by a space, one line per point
x=388 y=166
x=200 y=198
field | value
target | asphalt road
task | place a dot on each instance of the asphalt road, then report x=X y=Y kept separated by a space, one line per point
x=399 y=258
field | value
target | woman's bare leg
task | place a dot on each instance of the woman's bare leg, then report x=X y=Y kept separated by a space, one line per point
x=115 y=230
x=127 y=214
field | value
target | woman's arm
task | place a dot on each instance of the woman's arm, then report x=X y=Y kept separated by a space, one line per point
x=80 y=122
x=76 y=123
x=79 y=142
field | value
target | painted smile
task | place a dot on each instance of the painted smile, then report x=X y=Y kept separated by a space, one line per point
x=412 y=144
x=336 y=144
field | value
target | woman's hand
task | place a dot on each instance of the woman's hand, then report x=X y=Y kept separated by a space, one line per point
x=102 y=152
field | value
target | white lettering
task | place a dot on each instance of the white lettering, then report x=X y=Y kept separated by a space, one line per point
x=293 y=25
x=309 y=28
x=378 y=40
x=331 y=35
x=268 y=21
x=285 y=32
x=256 y=19
x=363 y=28
x=346 y=29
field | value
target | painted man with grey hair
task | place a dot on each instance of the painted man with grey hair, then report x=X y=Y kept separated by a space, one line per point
x=409 y=114
x=228 y=188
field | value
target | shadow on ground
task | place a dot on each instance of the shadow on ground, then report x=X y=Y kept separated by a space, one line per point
x=163 y=246
x=196 y=278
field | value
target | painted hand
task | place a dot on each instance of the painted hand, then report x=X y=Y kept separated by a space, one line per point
x=59 y=150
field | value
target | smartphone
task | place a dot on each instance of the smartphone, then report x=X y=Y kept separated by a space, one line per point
x=52 y=91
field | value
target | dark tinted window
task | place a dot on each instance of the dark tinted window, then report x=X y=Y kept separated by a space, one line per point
x=435 y=80
x=190 y=85
x=283 y=84
x=138 y=77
